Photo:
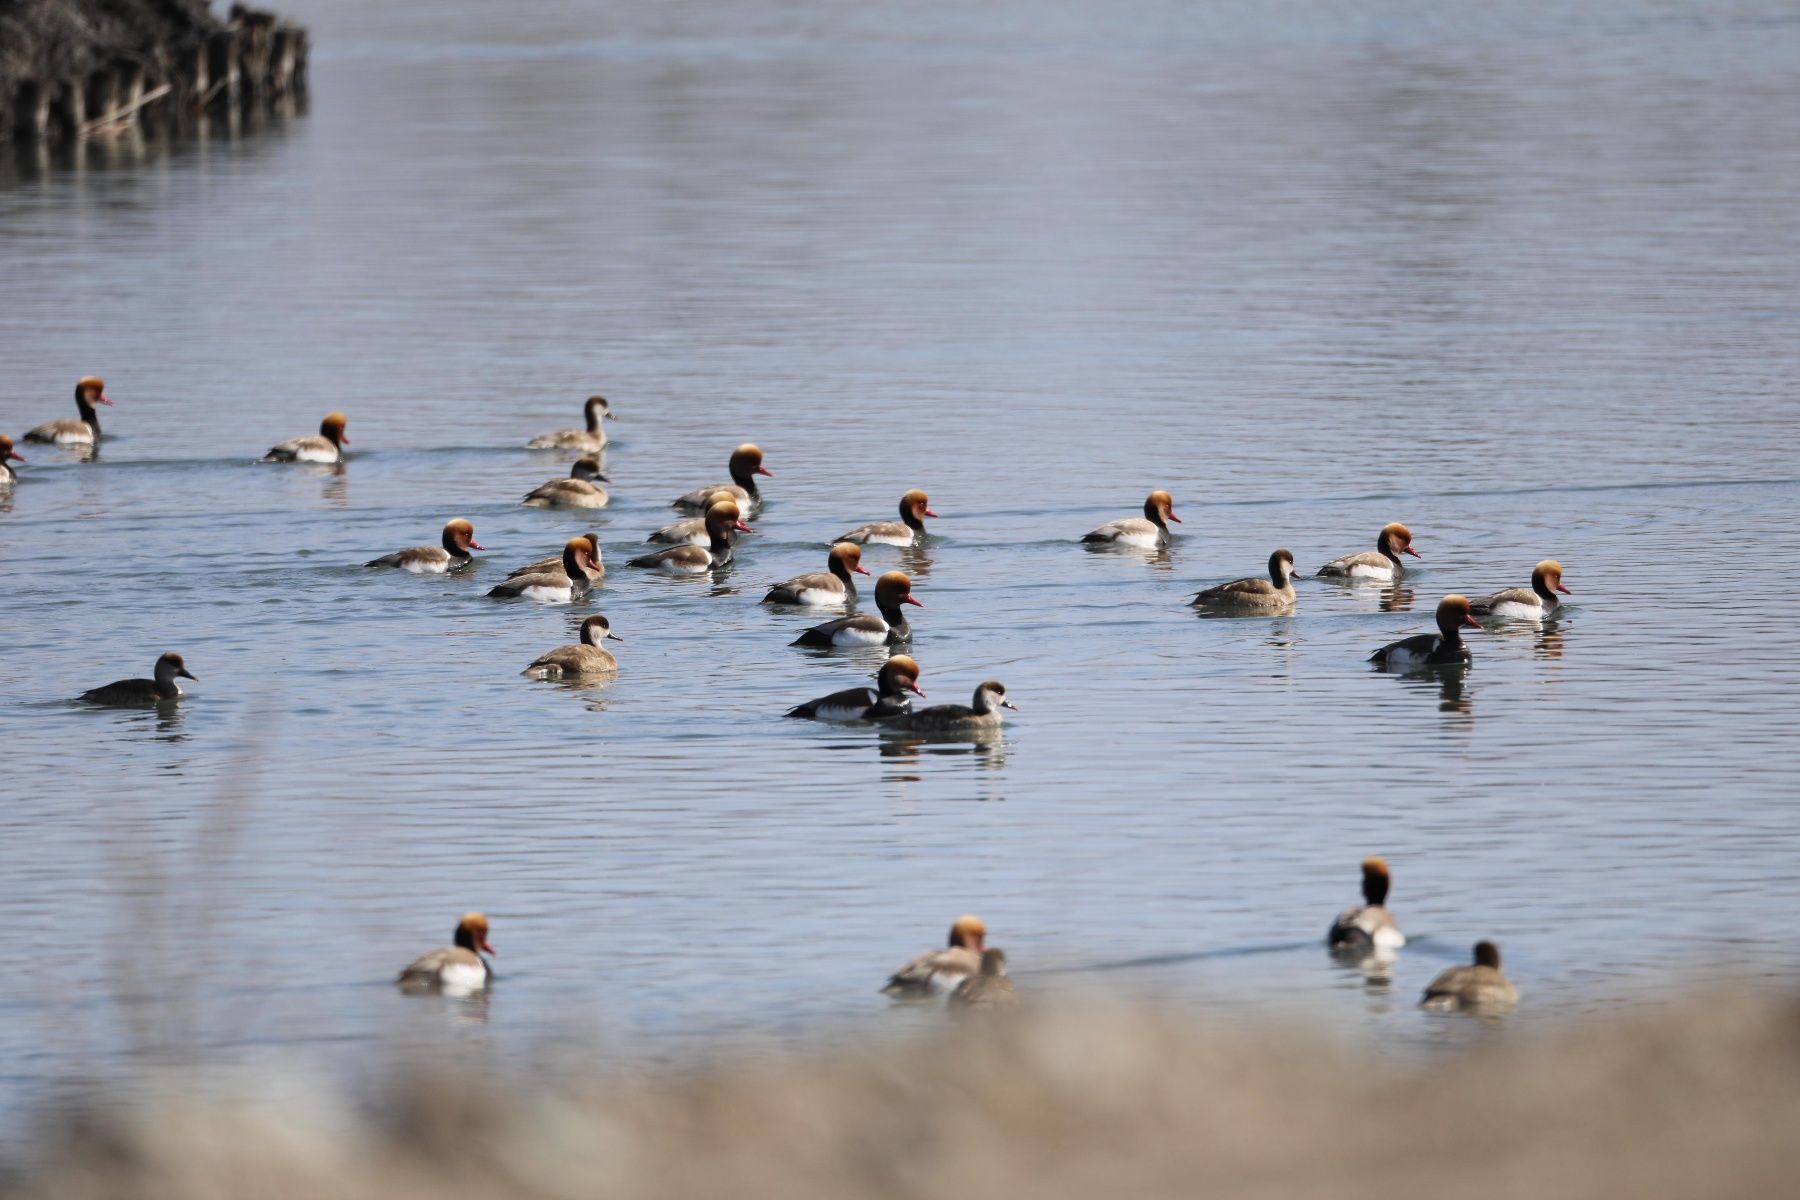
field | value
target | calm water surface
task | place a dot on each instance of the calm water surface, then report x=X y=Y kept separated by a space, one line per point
x=1523 y=276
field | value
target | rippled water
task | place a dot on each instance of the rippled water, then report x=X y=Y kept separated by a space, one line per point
x=1523 y=276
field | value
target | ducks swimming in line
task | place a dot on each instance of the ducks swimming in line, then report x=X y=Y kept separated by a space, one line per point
x=1369 y=930
x=989 y=989
x=938 y=972
x=909 y=530
x=591 y=440
x=1148 y=532
x=587 y=657
x=721 y=519
x=1533 y=603
x=327 y=446
x=982 y=716
x=1382 y=563
x=85 y=430
x=459 y=968
x=898 y=676
x=1256 y=594
x=890 y=628
x=1443 y=648
x=745 y=465
x=834 y=586
x=1477 y=987
x=8 y=476
x=572 y=579
x=453 y=555
x=133 y=692
x=577 y=491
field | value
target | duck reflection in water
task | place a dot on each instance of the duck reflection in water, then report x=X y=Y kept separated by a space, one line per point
x=1396 y=598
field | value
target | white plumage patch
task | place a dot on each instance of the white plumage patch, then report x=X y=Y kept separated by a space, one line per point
x=1512 y=608
x=548 y=593
x=854 y=636
x=461 y=978
x=314 y=454
x=1369 y=571
x=1406 y=654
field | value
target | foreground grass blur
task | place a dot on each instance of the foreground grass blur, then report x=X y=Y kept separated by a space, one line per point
x=1699 y=1100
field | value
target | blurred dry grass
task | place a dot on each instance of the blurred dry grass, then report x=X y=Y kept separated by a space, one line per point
x=1700 y=1100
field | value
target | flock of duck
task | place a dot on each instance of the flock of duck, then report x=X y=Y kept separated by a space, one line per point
x=970 y=976
x=967 y=970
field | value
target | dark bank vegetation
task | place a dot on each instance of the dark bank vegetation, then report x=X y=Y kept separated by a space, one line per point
x=1702 y=1099
x=72 y=70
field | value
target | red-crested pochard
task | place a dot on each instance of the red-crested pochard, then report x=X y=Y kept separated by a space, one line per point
x=591 y=440
x=721 y=519
x=691 y=531
x=1383 y=562
x=144 y=691
x=745 y=465
x=834 y=586
x=1369 y=928
x=553 y=562
x=937 y=972
x=1478 y=986
x=8 y=476
x=909 y=530
x=85 y=431
x=456 y=969
x=890 y=628
x=1256 y=594
x=1533 y=603
x=577 y=491
x=571 y=580
x=1442 y=648
x=898 y=676
x=1148 y=532
x=326 y=446
x=587 y=657
x=453 y=555
x=982 y=716
x=988 y=988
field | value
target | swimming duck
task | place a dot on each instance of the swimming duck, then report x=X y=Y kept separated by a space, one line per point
x=987 y=989
x=691 y=531
x=324 y=447
x=982 y=716
x=577 y=491
x=1432 y=649
x=1277 y=591
x=1383 y=562
x=89 y=391
x=1480 y=986
x=453 y=555
x=570 y=581
x=457 y=969
x=745 y=465
x=553 y=562
x=834 y=586
x=590 y=440
x=1532 y=603
x=8 y=476
x=939 y=971
x=586 y=658
x=898 y=676
x=721 y=519
x=144 y=691
x=890 y=628
x=909 y=530
x=1149 y=532
x=1368 y=929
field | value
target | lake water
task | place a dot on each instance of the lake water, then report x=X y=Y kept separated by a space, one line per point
x=1525 y=276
